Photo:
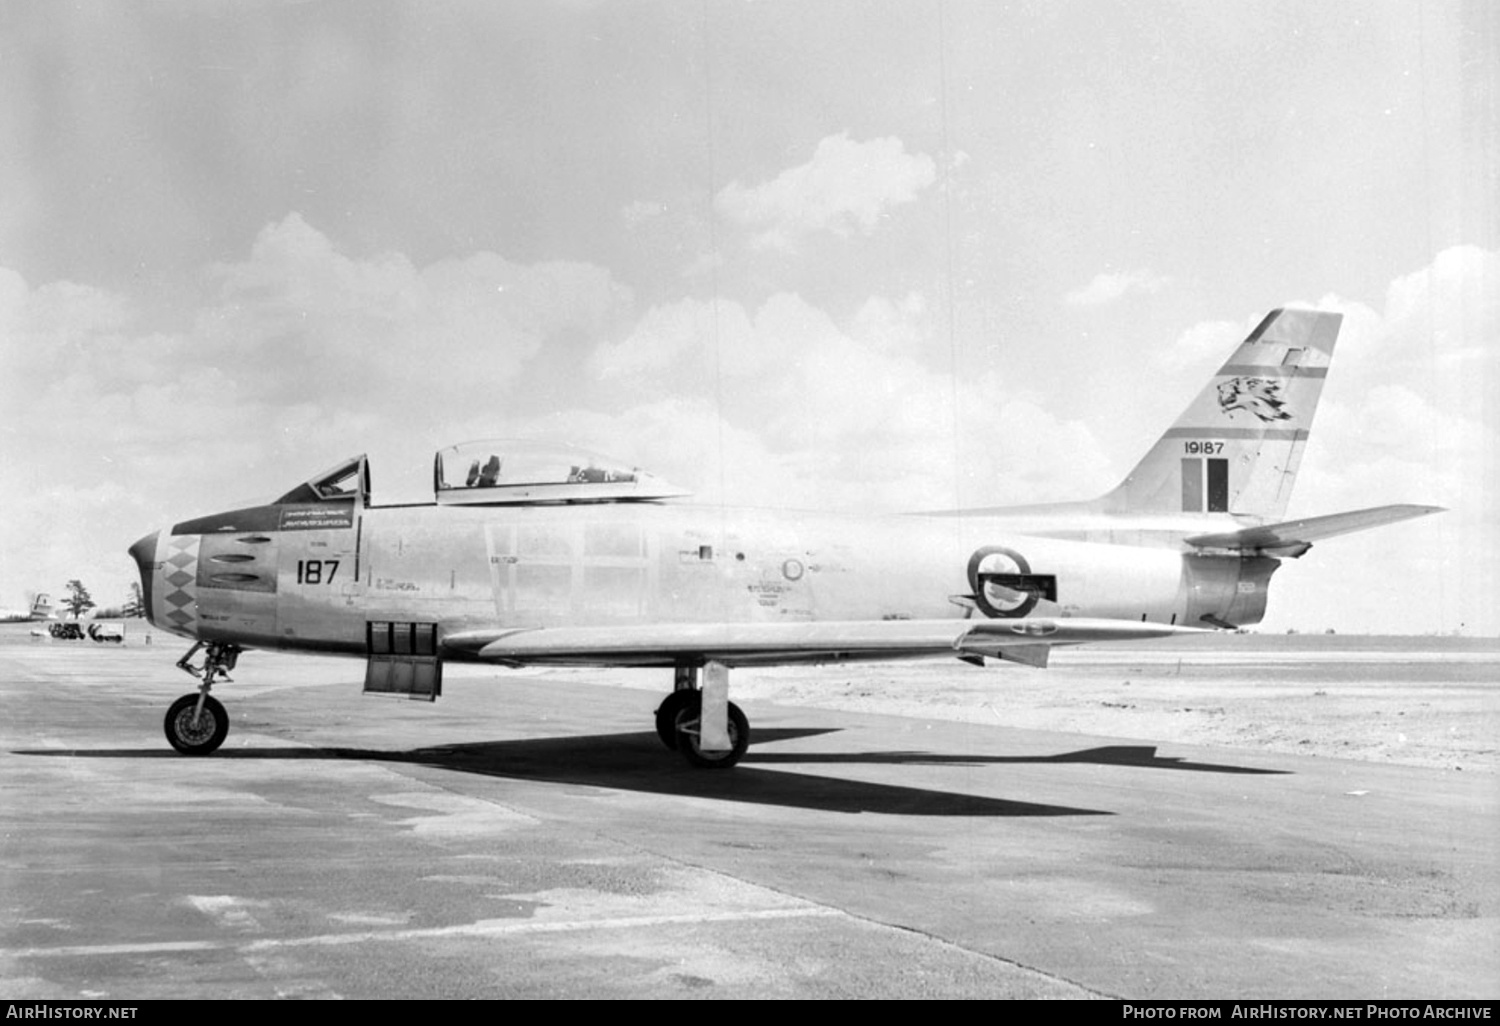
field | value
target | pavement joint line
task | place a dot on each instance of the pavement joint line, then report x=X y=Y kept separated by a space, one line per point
x=482 y=928
x=985 y=955
x=880 y=924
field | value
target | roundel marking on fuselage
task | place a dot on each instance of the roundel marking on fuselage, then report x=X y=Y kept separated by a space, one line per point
x=994 y=605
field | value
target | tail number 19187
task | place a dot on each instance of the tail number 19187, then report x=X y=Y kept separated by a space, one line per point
x=316 y=571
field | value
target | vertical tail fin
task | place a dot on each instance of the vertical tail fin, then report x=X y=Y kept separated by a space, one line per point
x=1236 y=448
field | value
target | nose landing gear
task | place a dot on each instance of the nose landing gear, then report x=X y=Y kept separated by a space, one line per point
x=196 y=724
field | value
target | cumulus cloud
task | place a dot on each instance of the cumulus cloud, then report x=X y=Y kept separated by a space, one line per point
x=1410 y=396
x=846 y=186
x=1205 y=342
x=842 y=415
x=1108 y=287
x=1408 y=416
x=385 y=331
x=299 y=356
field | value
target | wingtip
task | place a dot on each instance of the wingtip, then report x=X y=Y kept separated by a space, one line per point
x=1420 y=510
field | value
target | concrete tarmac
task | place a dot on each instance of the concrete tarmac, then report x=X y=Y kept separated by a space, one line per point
x=528 y=836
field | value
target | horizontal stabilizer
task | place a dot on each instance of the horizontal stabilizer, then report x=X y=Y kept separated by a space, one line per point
x=746 y=644
x=1295 y=537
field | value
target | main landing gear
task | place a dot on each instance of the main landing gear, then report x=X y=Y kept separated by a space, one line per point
x=196 y=724
x=679 y=720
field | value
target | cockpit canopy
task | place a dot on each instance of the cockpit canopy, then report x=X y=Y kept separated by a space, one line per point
x=511 y=471
x=348 y=480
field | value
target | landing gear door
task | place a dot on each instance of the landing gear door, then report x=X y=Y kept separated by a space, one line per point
x=403 y=660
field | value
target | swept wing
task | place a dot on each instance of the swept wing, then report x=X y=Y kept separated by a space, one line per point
x=748 y=644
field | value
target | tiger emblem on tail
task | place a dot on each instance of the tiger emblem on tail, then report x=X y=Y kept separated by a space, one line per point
x=1258 y=396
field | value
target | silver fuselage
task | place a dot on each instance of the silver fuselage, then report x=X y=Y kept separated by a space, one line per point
x=312 y=577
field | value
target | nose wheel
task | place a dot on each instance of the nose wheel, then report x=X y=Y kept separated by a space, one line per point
x=197 y=724
x=195 y=731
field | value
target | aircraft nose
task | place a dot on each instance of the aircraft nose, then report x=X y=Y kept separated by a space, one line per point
x=144 y=554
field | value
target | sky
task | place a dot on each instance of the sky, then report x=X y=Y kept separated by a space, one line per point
x=877 y=255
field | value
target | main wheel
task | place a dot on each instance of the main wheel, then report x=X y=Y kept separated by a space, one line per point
x=666 y=715
x=213 y=725
x=689 y=730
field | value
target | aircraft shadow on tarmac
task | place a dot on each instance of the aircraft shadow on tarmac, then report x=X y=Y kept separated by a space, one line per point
x=636 y=762
x=1110 y=755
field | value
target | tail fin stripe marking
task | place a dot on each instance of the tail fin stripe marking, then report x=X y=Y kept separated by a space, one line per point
x=1218 y=486
x=1264 y=371
x=1192 y=486
x=1269 y=434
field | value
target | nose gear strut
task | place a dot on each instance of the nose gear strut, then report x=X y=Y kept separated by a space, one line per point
x=217 y=662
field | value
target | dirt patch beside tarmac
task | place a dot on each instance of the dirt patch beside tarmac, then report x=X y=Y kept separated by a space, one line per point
x=1422 y=701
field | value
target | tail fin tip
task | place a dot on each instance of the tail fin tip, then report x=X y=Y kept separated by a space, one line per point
x=1298 y=328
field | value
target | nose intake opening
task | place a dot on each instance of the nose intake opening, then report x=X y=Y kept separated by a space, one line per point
x=144 y=554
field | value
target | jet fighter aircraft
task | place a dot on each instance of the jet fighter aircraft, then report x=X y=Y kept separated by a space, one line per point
x=531 y=554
